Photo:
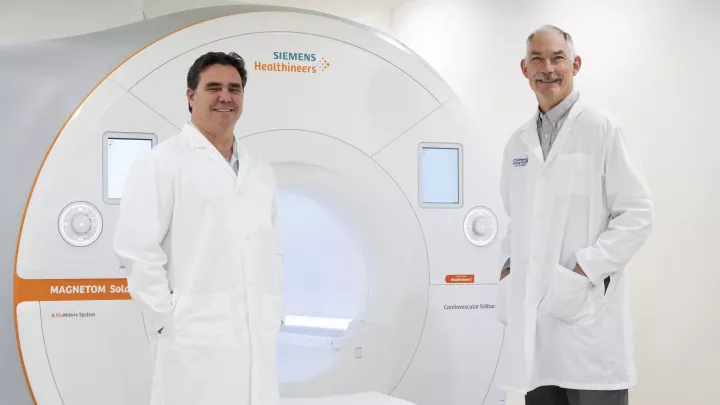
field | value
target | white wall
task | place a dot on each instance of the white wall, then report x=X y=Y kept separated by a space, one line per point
x=35 y=20
x=654 y=65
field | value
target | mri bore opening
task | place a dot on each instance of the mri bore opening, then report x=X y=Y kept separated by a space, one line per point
x=325 y=286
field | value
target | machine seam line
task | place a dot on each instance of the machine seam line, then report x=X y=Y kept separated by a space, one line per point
x=145 y=104
x=147 y=337
x=502 y=343
x=409 y=129
x=47 y=356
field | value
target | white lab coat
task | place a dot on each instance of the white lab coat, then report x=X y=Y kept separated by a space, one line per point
x=588 y=204
x=189 y=225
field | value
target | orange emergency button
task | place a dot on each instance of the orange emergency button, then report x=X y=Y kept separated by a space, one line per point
x=460 y=278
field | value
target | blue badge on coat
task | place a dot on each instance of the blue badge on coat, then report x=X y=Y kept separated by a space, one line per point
x=520 y=161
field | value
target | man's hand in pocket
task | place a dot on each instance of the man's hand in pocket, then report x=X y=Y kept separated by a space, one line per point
x=504 y=273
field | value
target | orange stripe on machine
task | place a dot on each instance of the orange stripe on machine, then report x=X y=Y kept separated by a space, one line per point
x=71 y=290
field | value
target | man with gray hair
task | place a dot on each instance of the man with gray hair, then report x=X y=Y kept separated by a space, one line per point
x=579 y=210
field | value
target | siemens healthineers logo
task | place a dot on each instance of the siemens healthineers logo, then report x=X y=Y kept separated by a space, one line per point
x=294 y=62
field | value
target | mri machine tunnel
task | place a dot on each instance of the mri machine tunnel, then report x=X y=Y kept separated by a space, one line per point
x=389 y=202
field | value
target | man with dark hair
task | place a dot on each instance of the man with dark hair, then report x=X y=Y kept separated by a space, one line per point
x=199 y=234
x=215 y=58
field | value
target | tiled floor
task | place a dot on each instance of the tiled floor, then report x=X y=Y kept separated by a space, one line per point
x=515 y=399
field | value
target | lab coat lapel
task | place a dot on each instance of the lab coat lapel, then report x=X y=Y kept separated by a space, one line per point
x=198 y=141
x=245 y=164
x=530 y=137
x=565 y=132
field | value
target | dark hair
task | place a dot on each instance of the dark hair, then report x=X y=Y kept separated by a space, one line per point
x=215 y=58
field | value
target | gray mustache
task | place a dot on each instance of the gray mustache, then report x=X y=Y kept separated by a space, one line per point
x=550 y=77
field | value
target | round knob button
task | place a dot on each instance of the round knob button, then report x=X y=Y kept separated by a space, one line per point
x=80 y=224
x=481 y=226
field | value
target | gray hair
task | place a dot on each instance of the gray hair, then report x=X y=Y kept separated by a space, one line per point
x=551 y=28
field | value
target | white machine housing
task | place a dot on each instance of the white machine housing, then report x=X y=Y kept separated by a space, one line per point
x=389 y=201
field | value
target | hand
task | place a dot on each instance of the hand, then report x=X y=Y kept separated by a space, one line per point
x=504 y=273
x=579 y=270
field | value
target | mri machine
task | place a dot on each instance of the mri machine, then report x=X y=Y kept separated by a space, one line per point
x=389 y=202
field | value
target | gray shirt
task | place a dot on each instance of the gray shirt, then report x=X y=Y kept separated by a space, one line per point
x=233 y=161
x=548 y=127
x=549 y=124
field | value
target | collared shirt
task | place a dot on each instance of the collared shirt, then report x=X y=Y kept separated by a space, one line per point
x=549 y=124
x=234 y=162
x=548 y=127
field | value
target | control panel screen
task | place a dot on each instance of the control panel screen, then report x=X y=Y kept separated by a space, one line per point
x=121 y=153
x=440 y=175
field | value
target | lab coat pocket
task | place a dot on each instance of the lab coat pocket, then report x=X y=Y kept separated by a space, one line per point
x=269 y=262
x=568 y=298
x=204 y=320
x=159 y=323
x=502 y=306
